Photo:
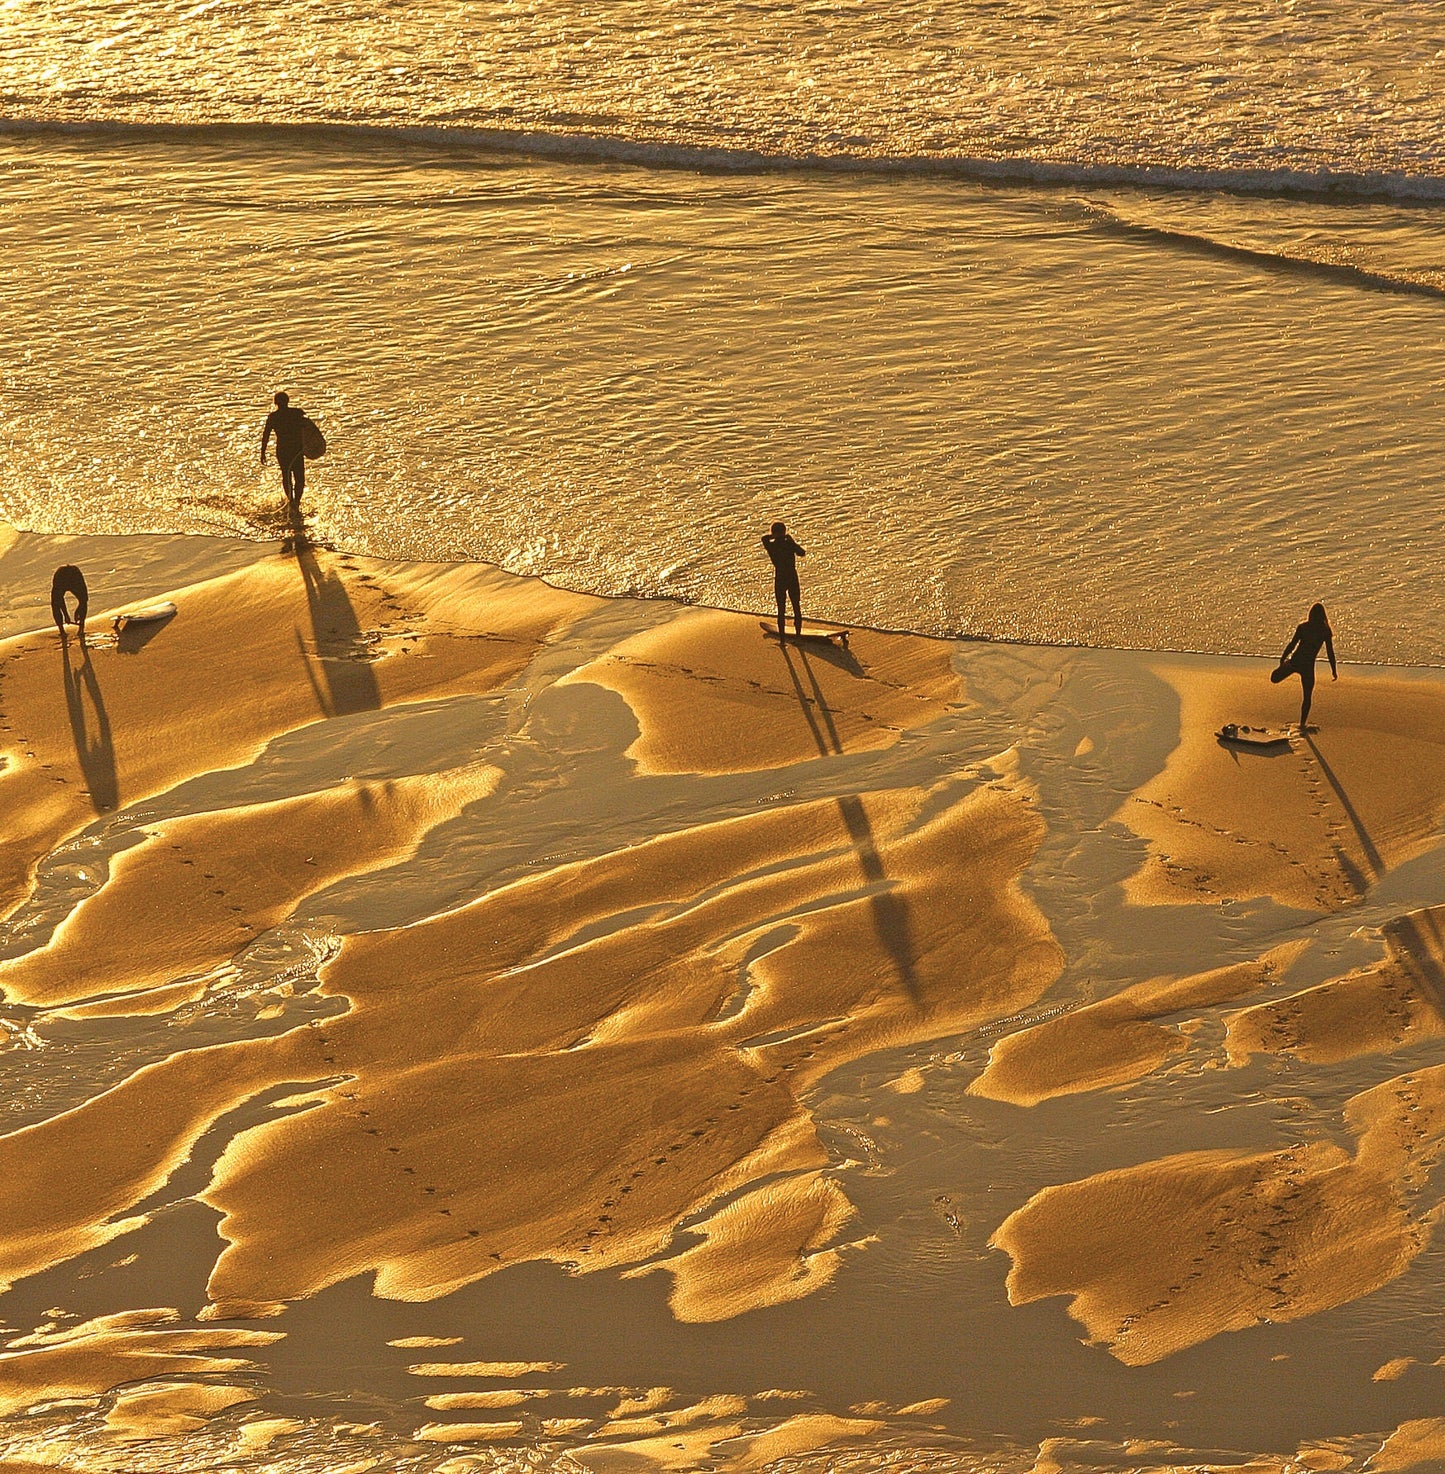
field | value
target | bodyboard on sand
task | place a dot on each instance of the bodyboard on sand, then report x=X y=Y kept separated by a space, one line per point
x=1262 y=738
x=313 y=442
x=151 y=614
x=817 y=637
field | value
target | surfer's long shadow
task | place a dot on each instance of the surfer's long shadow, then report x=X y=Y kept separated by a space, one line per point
x=1367 y=845
x=829 y=653
x=1420 y=947
x=94 y=751
x=348 y=683
x=890 y=913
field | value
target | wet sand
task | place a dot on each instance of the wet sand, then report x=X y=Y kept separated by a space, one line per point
x=455 y=1021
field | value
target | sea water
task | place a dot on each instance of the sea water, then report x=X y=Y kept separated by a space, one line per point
x=1111 y=323
x=1116 y=324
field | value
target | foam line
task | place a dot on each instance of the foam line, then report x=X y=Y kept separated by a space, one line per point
x=597 y=148
x=1200 y=244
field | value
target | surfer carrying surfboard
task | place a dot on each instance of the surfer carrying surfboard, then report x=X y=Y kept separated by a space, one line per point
x=784 y=554
x=288 y=426
x=1300 y=655
x=69 y=580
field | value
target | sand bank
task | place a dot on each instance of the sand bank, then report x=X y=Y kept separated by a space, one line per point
x=1314 y=825
x=406 y=957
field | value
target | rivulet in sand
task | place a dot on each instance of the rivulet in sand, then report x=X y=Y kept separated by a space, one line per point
x=460 y=1023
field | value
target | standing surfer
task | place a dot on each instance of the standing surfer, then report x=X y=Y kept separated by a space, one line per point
x=287 y=425
x=1300 y=654
x=784 y=554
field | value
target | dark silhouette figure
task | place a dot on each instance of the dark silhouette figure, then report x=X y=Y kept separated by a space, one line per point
x=286 y=424
x=784 y=554
x=1300 y=654
x=69 y=580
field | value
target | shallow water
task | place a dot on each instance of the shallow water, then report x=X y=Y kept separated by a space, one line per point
x=919 y=1308
x=1314 y=92
x=1059 y=409
x=1075 y=323
x=985 y=410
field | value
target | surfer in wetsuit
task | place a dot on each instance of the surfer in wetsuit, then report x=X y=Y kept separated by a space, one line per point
x=285 y=424
x=69 y=580
x=784 y=554
x=1300 y=654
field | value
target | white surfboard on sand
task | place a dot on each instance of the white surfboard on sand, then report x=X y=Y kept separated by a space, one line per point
x=150 y=614
x=817 y=637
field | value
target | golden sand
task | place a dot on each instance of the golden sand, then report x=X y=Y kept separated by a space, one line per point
x=198 y=889
x=1164 y=1255
x=248 y=656
x=1115 y=1040
x=95 y=1356
x=1314 y=825
x=803 y=1433
x=170 y=1408
x=1417 y=1444
x=745 y=694
x=446 y=1402
x=166 y=998
x=1396 y=1002
x=468 y=1432
x=628 y=1081
x=47 y=1217
x=623 y=1079
x=482 y=1368
x=774 y=1244
x=616 y=1063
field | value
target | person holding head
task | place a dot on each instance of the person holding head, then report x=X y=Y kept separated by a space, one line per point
x=285 y=424
x=1300 y=654
x=784 y=553
x=69 y=580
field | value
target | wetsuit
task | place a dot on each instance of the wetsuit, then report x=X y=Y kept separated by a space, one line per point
x=285 y=423
x=783 y=552
x=69 y=580
x=1299 y=659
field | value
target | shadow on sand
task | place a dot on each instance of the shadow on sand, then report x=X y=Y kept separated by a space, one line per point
x=889 y=912
x=90 y=729
x=1420 y=946
x=348 y=683
x=131 y=638
x=1371 y=855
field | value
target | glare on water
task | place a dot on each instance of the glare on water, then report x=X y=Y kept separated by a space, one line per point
x=987 y=410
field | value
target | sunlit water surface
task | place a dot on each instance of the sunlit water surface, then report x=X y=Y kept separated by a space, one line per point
x=998 y=410
x=1116 y=323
